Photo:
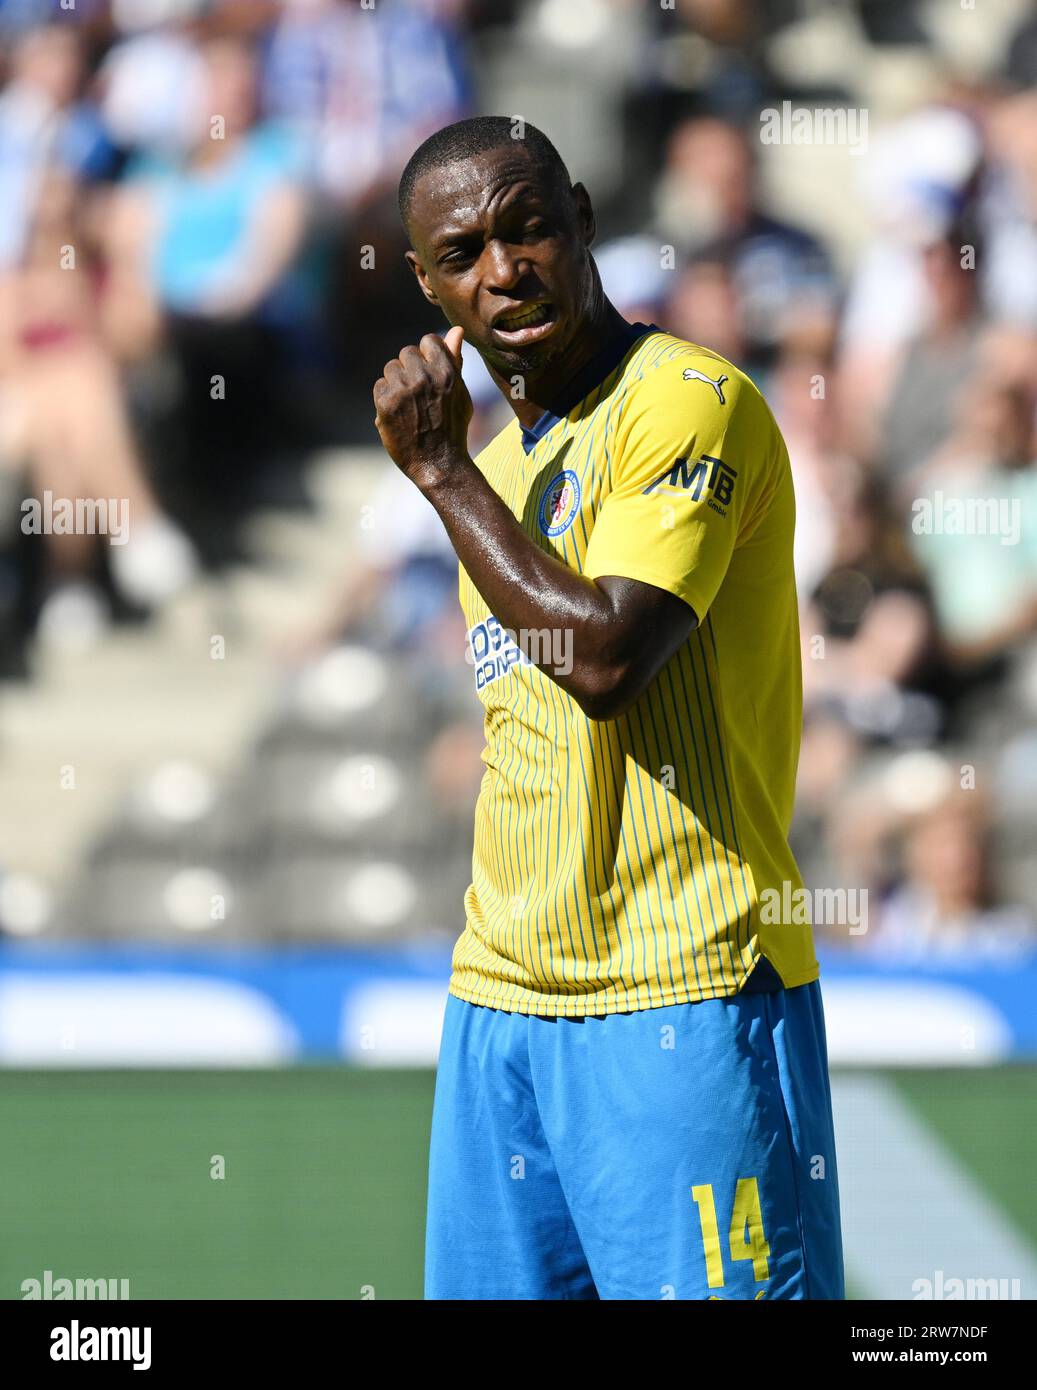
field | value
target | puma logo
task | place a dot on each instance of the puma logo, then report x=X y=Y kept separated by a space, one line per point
x=693 y=374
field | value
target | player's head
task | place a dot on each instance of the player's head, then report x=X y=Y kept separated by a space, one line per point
x=498 y=228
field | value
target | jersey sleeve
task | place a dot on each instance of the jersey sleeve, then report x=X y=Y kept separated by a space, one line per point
x=691 y=461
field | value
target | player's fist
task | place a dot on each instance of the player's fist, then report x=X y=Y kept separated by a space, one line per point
x=423 y=409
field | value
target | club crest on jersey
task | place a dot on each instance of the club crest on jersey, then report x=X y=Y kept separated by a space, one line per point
x=559 y=503
x=695 y=476
x=693 y=374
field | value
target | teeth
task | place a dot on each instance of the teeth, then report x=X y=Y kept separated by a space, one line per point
x=537 y=314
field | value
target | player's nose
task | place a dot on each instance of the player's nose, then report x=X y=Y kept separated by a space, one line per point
x=506 y=266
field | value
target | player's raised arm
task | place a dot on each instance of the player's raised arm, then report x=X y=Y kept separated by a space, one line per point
x=622 y=630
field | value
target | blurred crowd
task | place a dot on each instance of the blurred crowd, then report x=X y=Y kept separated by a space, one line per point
x=184 y=186
x=223 y=177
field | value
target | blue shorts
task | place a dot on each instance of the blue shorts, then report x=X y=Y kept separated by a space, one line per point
x=680 y=1152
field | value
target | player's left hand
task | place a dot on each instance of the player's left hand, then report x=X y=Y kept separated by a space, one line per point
x=423 y=409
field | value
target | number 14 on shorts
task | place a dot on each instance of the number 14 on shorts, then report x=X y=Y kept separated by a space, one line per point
x=746 y=1240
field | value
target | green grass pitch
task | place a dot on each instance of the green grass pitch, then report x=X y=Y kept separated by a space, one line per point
x=108 y=1174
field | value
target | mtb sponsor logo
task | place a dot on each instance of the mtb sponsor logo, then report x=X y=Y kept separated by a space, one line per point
x=942 y=1288
x=695 y=476
x=58 y=1288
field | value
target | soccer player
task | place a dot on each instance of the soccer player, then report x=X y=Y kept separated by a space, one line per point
x=633 y=1098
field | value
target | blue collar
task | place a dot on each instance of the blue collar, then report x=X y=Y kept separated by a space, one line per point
x=592 y=374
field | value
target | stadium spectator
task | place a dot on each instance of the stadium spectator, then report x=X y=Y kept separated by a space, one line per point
x=800 y=392
x=151 y=83
x=362 y=87
x=1008 y=211
x=705 y=307
x=635 y=278
x=871 y=611
x=43 y=121
x=216 y=237
x=944 y=906
x=934 y=367
x=916 y=185
x=64 y=420
x=975 y=524
x=708 y=203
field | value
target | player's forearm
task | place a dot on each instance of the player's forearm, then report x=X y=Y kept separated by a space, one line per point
x=590 y=654
x=606 y=638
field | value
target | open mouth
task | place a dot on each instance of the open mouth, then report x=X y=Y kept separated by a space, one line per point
x=525 y=325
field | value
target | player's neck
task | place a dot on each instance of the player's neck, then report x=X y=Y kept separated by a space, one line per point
x=596 y=331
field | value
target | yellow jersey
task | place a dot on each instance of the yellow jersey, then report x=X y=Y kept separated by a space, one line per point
x=620 y=864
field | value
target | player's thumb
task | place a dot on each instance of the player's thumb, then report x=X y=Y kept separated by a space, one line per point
x=454 y=338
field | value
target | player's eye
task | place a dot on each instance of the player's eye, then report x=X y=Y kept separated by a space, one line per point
x=457 y=258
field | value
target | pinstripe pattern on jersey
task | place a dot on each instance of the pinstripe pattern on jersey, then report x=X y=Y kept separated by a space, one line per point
x=608 y=871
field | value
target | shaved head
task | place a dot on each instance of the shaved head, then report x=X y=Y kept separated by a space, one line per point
x=463 y=140
x=500 y=242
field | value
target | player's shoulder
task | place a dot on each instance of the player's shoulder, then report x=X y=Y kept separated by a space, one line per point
x=680 y=390
x=668 y=370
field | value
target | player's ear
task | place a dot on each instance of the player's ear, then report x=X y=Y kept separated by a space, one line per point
x=421 y=277
x=584 y=214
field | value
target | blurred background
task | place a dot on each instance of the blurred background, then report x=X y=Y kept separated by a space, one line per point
x=239 y=753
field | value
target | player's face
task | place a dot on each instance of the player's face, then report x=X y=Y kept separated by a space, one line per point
x=506 y=257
